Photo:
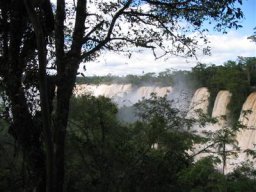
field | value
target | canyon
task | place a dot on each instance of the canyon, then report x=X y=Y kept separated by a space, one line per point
x=128 y=94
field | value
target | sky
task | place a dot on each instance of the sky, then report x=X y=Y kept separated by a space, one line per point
x=224 y=47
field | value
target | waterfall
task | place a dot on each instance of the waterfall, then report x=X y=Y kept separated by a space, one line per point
x=199 y=103
x=122 y=94
x=220 y=110
x=247 y=136
x=127 y=94
x=145 y=92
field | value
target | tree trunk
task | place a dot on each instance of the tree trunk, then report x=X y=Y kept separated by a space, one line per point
x=64 y=93
x=67 y=67
x=224 y=158
x=23 y=126
x=36 y=18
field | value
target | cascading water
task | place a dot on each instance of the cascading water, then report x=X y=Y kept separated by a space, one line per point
x=220 y=110
x=110 y=91
x=145 y=92
x=199 y=103
x=246 y=137
x=122 y=94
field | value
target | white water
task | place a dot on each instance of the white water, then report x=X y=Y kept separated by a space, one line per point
x=220 y=110
x=122 y=94
x=247 y=136
x=199 y=103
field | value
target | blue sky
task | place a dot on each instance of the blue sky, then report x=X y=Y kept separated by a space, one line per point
x=249 y=22
x=224 y=47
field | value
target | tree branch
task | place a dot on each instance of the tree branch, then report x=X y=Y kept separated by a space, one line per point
x=110 y=30
x=79 y=27
x=59 y=35
x=86 y=37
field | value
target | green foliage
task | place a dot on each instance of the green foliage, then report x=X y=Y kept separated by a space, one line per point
x=137 y=157
x=93 y=137
x=253 y=37
x=226 y=144
x=243 y=178
x=150 y=154
x=237 y=77
x=165 y=125
x=12 y=168
x=163 y=78
x=202 y=176
x=96 y=79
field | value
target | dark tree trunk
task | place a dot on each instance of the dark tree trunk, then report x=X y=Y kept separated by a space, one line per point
x=40 y=32
x=24 y=128
x=64 y=93
x=67 y=66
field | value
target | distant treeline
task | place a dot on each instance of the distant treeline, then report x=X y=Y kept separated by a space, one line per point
x=162 y=78
x=239 y=77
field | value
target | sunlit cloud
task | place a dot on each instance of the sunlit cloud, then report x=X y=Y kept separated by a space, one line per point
x=223 y=48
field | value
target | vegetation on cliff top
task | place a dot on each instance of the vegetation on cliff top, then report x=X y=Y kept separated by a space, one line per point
x=239 y=77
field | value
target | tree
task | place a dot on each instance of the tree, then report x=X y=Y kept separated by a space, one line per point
x=105 y=155
x=242 y=178
x=231 y=76
x=249 y=67
x=36 y=38
x=226 y=144
x=253 y=37
x=202 y=176
x=162 y=139
x=95 y=141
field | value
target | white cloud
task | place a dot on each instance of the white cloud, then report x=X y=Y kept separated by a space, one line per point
x=228 y=47
x=224 y=48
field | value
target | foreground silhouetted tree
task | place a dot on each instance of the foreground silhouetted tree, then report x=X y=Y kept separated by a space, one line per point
x=253 y=37
x=36 y=37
